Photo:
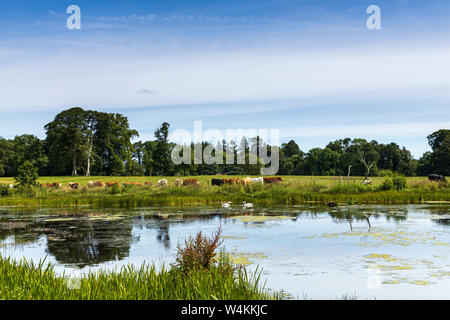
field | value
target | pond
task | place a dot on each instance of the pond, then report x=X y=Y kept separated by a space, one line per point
x=309 y=252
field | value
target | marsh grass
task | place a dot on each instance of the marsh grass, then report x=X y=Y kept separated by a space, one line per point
x=293 y=190
x=26 y=280
x=200 y=272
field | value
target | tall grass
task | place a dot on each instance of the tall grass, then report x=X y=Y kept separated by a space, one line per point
x=197 y=275
x=26 y=280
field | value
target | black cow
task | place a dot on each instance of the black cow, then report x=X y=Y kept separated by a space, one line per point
x=217 y=182
x=436 y=177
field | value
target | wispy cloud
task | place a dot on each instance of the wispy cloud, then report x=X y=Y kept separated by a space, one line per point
x=128 y=18
x=146 y=91
x=212 y=78
x=389 y=129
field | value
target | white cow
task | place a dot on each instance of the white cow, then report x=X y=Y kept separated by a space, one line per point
x=91 y=184
x=258 y=180
x=162 y=183
x=178 y=182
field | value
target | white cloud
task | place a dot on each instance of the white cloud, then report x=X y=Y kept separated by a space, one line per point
x=146 y=91
x=110 y=80
x=420 y=129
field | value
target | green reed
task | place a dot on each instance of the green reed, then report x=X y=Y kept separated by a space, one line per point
x=26 y=280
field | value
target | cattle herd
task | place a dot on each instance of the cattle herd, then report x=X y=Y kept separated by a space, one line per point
x=165 y=183
x=193 y=182
x=246 y=181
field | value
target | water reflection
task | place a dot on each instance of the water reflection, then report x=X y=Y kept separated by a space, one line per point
x=163 y=233
x=90 y=237
x=84 y=243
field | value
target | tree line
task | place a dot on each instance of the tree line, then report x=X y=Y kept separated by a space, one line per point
x=88 y=142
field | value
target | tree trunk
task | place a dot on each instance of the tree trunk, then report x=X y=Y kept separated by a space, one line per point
x=74 y=165
x=88 y=170
x=89 y=153
x=368 y=167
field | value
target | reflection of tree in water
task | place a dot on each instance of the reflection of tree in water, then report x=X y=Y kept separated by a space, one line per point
x=163 y=232
x=90 y=242
x=161 y=221
x=22 y=231
x=444 y=222
x=443 y=213
x=347 y=216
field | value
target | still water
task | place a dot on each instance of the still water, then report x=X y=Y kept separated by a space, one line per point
x=382 y=252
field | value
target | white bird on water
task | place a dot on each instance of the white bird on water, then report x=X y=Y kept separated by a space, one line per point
x=226 y=205
x=247 y=205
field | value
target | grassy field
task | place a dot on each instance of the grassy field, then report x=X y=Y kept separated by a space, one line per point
x=205 y=180
x=292 y=190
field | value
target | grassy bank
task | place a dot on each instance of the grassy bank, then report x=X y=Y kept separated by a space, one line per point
x=200 y=273
x=24 y=280
x=293 y=190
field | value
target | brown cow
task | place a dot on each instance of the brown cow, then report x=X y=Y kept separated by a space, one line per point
x=132 y=184
x=99 y=183
x=231 y=181
x=110 y=184
x=272 y=179
x=191 y=182
x=54 y=185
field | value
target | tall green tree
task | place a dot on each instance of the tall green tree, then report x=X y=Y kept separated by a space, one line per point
x=139 y=151
x=113 y=143
x=439 y=142
x=147 y=159
x=86 y=140
x=30 y=148
x=65 y=140
x=162 y=160
x=6 y=156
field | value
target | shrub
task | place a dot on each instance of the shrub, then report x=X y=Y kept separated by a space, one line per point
x=385 y=173
x=27 y=190
x=399 y=182
x=388 y=184
x=115 y=189
x=27 y=175
x=393 y=181
x=198 y=253
x=4 y=190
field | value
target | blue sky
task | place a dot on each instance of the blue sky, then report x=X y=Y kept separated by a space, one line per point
x=309 y=68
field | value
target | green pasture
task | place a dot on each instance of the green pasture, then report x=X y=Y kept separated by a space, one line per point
x=292 y=190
